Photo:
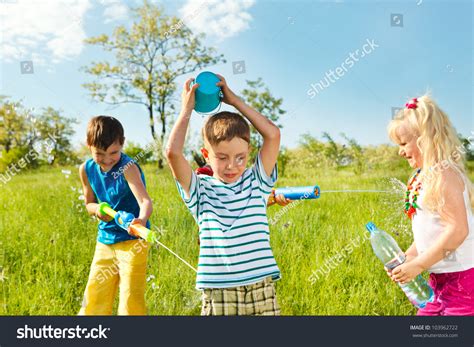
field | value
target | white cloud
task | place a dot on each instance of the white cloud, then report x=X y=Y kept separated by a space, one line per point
x=115 y=10
x=219 y=18
x=46 y=31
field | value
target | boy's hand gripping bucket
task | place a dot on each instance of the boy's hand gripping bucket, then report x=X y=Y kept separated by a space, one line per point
x=208 y=95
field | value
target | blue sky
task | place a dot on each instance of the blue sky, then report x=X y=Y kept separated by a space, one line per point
x=290 y=44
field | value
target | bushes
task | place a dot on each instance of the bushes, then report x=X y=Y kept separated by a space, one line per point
x=18 y=158
x=314 y=154
x=139 y=154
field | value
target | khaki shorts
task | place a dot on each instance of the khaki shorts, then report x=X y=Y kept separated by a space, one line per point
x=258 y=299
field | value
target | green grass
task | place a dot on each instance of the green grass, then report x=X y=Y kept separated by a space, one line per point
x=48 y=243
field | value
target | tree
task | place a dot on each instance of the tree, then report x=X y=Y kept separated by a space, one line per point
x=259 y=97
x=53 y=136
x=23 y=132
x=468 y=146
x=149 y=57
x=283 y=159
x=14 y=127
x=314 y=152
x=16 y=134
x=138 y=153
x=356 y=154
x=335 y=152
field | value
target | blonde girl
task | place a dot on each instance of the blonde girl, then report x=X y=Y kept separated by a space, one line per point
x=439 y=201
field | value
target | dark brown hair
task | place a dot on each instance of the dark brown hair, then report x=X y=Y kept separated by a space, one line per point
x=102 y=131
x=224 y=126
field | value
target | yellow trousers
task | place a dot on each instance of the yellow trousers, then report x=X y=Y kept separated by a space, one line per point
x=121 y=265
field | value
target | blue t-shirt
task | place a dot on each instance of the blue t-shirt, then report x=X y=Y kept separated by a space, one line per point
x=113 y=188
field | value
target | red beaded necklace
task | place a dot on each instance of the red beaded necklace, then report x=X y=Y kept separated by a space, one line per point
x=410 y=207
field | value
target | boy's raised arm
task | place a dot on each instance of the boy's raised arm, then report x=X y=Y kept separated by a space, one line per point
x=269 y=131
x=180 y=167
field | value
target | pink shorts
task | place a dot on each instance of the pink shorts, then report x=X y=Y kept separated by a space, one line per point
x=454 y=294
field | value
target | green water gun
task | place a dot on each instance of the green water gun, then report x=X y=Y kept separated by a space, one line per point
x=124 y=220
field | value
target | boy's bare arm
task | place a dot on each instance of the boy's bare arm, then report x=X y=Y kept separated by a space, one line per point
x=269 y=131
x=134 y=179
x=89 y=196
x=180 y=167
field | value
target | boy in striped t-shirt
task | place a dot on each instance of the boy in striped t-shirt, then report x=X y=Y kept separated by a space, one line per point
x=236 y=266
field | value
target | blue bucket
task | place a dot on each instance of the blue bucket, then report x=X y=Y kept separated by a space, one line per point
x=208 y=95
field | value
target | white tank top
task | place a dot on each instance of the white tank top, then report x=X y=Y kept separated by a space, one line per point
x=428 y=226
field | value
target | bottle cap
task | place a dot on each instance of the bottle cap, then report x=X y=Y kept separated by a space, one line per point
x=371 y=227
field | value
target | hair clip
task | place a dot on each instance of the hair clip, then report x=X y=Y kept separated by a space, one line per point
x=412 y=103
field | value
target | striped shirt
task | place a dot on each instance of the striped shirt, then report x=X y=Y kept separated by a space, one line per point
x=233 y=228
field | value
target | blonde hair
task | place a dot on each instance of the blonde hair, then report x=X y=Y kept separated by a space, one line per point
x=439 y=145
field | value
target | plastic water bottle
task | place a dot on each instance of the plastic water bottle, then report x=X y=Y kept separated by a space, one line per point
x=387 y=250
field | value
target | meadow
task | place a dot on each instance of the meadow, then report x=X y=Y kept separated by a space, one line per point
x=47 y=242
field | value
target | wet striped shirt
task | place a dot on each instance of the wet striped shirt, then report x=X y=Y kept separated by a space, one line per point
x=233 y=228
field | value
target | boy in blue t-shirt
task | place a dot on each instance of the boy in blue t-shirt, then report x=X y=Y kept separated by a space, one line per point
x=120 y=259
